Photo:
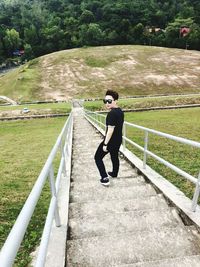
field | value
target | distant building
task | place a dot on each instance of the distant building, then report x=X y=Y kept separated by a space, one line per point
x=184 y=30
x=154 y=29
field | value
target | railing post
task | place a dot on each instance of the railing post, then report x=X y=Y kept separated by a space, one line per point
x=196 y=194
x=100 y=120
x=145 y=149
x=96 y=118
x=124 y=135
x=62 y=151
x=53 y=192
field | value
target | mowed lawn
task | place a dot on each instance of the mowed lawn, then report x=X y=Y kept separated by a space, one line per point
x=147 y=102
x=180 y=122
x=35 y=109
x=24 y=148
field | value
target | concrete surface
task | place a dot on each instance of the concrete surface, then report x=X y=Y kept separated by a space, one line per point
x=128 y=223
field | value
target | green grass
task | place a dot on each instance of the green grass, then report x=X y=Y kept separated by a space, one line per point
x=24 y=148
x=48 y=108
x=164 y=101
x=23 y=82
x=183 y=123
x=146 y=102
x=96 y=62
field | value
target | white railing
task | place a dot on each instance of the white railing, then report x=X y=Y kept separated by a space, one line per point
x=99 y=121
x=13 y=242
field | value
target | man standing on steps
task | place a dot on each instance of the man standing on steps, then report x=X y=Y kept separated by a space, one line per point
x=112 y=139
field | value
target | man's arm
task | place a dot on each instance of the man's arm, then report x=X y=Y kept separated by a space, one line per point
x=109 y=134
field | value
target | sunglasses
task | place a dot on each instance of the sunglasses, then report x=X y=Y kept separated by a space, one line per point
x=109 y=101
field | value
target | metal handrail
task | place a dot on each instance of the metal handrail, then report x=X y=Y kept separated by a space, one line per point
x=15 y=237
x=96 y=118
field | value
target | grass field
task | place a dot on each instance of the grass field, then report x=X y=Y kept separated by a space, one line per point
x=35 y=109
x=146 y=102
x=89 y=72
x=24 y=148
x=22 y=83
x=183 y=123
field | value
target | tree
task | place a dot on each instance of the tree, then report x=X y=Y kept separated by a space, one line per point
x=136 y=34
x=91 y=34
x=12 y=41
x=31 y=35
x=50 y=25
x=2 y=43
x=193 y=40
x=28 y=52
x=53 y=38
x=87 y=17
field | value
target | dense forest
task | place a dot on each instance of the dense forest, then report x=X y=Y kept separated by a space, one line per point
x=31 y=28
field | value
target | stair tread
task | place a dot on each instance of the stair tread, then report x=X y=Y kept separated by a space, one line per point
x=120 y=181
x=110 y=193
x=88 y=209
x=131 y=221
x=80 y=175
x=189 y=261
x=127 y=248
x=125 y=225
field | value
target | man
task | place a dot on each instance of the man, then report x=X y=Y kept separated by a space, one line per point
x=112 y=139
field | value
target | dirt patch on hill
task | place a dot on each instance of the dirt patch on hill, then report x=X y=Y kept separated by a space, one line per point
x=132 y=71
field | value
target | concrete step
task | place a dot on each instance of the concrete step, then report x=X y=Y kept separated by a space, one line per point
x=190 y=261
x=101 y=192
x=90 y=138
x=85 y=153
x=114 y=182
x=88 y=158
x=127 y=248
x=132 y=221
x=81 y=174
x=85 y=210
x=81 y=164
x=82 y=147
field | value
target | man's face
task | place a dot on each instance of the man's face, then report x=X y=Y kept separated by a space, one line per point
x=109 y=102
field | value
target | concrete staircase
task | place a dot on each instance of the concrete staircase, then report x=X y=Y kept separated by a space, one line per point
x=126 y=224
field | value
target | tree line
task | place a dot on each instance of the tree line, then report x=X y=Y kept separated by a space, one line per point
x=31 y=28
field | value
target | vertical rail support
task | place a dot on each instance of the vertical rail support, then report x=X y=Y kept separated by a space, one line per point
x=62 y=152
x=145 y=149
x=53 y=193
x=96 y=119
x=124 y=136
x=196 y=194
x=100 y=121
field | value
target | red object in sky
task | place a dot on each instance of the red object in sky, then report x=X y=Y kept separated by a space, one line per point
x=184 y=31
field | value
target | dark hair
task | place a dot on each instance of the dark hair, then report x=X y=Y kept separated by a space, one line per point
x=114 y=94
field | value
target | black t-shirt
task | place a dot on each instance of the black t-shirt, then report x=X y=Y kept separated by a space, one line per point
x=115 y=118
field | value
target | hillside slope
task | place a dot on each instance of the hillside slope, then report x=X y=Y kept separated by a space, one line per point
x=88 y=72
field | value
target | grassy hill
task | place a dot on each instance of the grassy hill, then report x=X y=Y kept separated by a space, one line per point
x=88 y=72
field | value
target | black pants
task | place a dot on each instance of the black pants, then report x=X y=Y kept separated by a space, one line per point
x=100 y=154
